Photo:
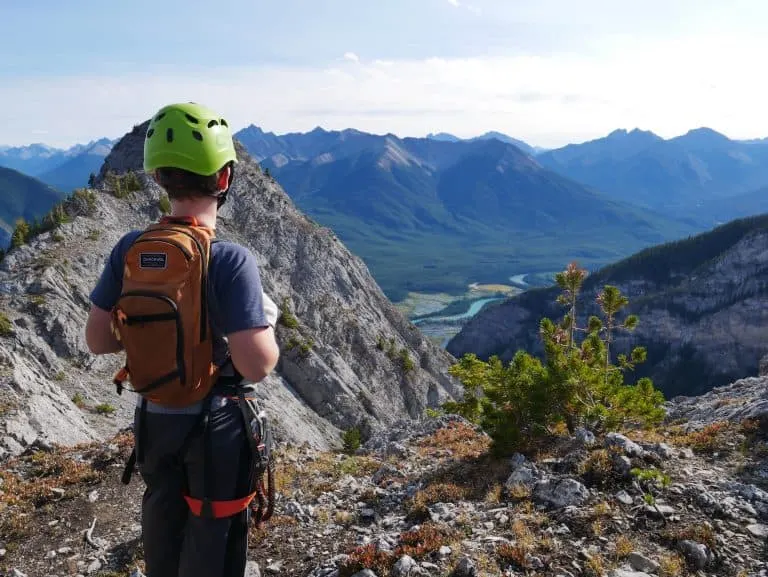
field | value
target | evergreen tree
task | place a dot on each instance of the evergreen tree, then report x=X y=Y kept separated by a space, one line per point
x=575 y=384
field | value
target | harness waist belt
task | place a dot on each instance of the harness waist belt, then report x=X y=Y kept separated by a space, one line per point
x=220 y=509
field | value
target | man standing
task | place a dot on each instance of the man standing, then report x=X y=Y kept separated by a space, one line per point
x=190 y=313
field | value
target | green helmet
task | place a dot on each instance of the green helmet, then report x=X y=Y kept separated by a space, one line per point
x=188 y=136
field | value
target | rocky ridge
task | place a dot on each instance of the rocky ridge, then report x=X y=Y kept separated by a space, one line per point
x=426 y=498
x=701 y=305
x=349 y=358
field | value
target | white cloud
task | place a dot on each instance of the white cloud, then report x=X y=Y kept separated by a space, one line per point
x=351 y=56
x=454 y=3
x=668 y=87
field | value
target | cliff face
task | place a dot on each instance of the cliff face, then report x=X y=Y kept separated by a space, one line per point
x=342 y=359
x=703 y=311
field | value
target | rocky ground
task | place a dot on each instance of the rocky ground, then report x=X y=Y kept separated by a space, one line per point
x=428 y=498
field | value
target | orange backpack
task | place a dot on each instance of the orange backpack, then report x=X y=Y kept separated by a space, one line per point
x=161 y=316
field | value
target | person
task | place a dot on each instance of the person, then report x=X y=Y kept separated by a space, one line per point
x=189 y=152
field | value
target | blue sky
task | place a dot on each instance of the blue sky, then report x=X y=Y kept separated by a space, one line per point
x=549 y=72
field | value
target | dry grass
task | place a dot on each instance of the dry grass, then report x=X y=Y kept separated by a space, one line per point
x=595 y=566
x=624 y=547
x=518 y=492
x=321 y=473
x=715 y=437
x=462 y=440
x=493 y=495
x=698 y=532
x=367 y=557
x=418 y=543
x=671 y=565
x=598 y=528
x=431 y=494
x=601 y=509
x=512 y=555
x=711 y=439
x=427 y=539
x=43 y=472
x=598 y=470
x=525 y=544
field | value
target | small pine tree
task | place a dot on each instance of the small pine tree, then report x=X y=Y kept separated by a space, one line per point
x=91 y=180
x=576 y=383
x=20 y=233
x=351 y=440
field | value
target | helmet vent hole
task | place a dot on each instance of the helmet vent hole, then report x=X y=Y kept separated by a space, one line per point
x=159 y=116
x=197 y=135
x=191 y=118
x=212 y=123
x=150 y=132
x=169 y=135
x=224 y=122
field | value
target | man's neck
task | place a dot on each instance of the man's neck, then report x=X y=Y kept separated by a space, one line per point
x=203 y=209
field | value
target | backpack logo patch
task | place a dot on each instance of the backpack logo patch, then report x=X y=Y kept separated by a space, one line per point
x=156 y=260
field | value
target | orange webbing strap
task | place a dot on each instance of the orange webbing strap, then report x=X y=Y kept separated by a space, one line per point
x=220 y=508
x=121 y=376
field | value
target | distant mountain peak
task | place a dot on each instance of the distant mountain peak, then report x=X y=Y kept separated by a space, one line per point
x=704 y=135
x=443 y=136
x=635 y=133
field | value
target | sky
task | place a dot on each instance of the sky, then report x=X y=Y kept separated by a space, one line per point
x=549 y=72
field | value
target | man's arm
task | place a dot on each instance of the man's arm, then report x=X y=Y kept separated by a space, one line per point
x=98 y=332
x=254 y=352
x=249 y=315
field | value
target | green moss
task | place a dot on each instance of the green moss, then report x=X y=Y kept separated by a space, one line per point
x=6 y=327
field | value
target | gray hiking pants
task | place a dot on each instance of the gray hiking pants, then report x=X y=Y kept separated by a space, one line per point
x=176 y=542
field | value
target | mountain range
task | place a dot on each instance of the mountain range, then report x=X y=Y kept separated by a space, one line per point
x=687 y=176
x=63 y=169
x=433 y=214
x=437 y=213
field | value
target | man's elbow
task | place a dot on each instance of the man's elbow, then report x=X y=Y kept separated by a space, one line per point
x=255 y=356
x=258 y=368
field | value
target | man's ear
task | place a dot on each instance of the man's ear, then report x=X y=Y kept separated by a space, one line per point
x=223 y=181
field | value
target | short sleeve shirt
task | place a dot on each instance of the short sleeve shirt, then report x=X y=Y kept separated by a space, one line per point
x=234 y=281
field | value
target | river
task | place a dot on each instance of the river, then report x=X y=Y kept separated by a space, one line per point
x=474 y=308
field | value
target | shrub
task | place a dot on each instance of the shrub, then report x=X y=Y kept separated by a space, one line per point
x=406 y=362
x=6 y=327
x=86 y=198
x=351 y=440
x=20 y=234
x=576 y=383
x=78 y=400
x=287 y=318
x=367 y=557
x=105 y=409
x=123 y=185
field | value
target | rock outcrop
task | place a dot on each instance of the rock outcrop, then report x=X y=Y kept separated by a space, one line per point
x=349 y=357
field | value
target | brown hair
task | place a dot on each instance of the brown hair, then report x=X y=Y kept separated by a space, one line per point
x=181 y=184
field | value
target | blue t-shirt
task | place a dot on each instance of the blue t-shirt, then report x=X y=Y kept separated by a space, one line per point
x=234 y=286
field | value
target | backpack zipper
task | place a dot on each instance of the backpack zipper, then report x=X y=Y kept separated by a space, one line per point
x=179 y=327
x=203 y=285
x=178 y=245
